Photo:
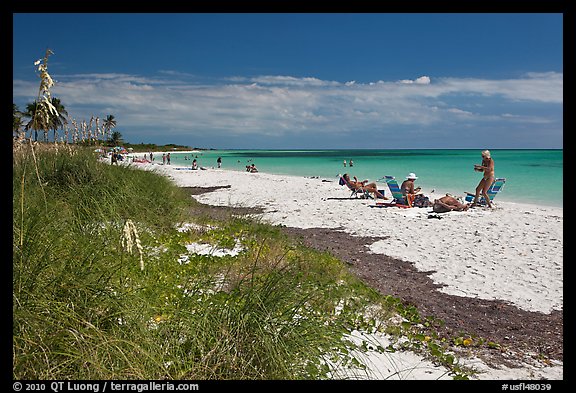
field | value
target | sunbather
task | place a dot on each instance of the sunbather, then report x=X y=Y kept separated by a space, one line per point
x=413 y=196
x=370 y=187
x=251 y=168
x=407 y=186
x=448 y=203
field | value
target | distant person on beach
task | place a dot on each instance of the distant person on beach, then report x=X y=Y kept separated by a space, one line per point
x=219 y=162
x=163 y=158
x=194 y=164
x=370 y=187
x=252 y=168
x=488 y=177
x=351 y=163
x=114 y=158
x=168 y=158
x=448 y=203
x=151 y=157
x=344 y=163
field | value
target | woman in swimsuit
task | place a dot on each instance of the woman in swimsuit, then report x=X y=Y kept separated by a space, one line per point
x=370 y=187
x=488 y=168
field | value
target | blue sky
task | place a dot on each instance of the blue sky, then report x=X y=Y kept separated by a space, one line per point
x=281 y=80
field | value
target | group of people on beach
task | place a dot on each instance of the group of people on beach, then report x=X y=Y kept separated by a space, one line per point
x=413 y=196
x=251 y=168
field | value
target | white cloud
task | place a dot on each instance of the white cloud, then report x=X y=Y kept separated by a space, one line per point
x=540 y=87
x=292 y=81
x=282 y=105
x=423 y=80
x=459 y=112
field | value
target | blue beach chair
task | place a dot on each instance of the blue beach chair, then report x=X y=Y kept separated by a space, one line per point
x=399 y=199
x=494 y=189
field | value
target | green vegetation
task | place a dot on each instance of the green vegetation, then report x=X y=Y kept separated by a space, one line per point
x=49 y=113
x=105 y=288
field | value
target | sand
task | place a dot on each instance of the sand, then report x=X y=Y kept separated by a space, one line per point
x=513 y=252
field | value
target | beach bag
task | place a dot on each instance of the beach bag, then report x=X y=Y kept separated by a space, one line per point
x=421 y=201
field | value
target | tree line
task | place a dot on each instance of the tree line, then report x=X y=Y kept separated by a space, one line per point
x=83 y=133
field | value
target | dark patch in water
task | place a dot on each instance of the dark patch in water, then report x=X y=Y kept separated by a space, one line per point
x=339 y=153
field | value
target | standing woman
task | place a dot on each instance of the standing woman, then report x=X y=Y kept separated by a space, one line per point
x=488 y=168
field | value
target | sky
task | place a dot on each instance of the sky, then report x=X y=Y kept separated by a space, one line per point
x=303 y=80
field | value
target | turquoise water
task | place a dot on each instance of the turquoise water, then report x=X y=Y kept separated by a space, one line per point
x=533 y=176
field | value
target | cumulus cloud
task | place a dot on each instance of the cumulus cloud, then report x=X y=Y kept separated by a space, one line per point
x=423 y=80
x=291 y=81
x=540 y=87
x=285 y=105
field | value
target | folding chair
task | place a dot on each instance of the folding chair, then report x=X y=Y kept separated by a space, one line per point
x=399 y=199
x=356 y=191
x=494 y=189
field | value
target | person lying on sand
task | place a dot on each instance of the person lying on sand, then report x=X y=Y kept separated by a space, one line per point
x=448 y=203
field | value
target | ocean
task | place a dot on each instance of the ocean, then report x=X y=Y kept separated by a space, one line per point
x=532 y=176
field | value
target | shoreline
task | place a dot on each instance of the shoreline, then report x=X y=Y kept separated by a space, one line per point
x=461 y=247
x=519 y=189
x=509 y=258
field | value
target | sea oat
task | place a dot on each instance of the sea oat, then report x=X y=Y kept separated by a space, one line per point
x=129 y=238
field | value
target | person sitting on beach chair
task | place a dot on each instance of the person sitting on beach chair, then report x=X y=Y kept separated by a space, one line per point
x=448 y=203
x=413 y=196
x=356 y=191
x=364 y=185
x=407 y=186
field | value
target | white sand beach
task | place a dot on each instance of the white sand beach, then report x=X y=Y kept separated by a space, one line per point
x=513 y=252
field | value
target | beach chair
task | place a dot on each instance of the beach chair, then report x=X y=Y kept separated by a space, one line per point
x=494 y=189
x=398 y=199
x=356 y=192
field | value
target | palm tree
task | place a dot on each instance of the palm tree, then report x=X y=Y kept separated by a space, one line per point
x=115 y=139
x=109 y=123
x=17 y=120
x=33 y=111
x=38 y=113
x=60 y=120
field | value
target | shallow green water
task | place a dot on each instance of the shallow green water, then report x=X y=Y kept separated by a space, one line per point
x=533 y=176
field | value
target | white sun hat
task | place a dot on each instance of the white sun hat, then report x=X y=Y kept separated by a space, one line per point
x=412 y=175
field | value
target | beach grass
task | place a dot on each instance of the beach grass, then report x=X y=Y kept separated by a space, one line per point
x=104 y=286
